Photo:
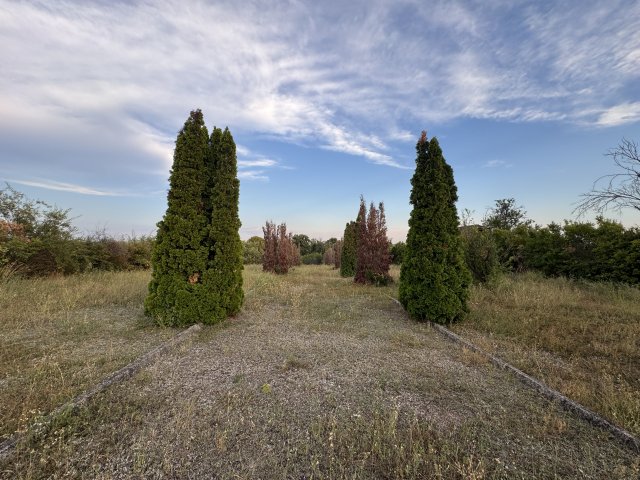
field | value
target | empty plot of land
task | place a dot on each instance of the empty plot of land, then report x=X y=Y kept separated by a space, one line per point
x=320 y=378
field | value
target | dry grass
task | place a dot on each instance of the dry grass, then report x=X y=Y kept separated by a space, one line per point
x=320 y=378
x=581 y=338
x=61 y=335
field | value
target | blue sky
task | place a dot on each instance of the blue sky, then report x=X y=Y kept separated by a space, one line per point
x=326 y=101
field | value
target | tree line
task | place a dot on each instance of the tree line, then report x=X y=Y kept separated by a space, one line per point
x=197 y=255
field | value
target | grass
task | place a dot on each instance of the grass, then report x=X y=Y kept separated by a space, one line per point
x=581 y=338
x=316 y=378
x=62 y=335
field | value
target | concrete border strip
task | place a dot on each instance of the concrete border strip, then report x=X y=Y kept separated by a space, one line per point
x=124 y=373
x=619 y=433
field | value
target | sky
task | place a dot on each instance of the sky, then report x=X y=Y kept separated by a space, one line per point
x=325 y=100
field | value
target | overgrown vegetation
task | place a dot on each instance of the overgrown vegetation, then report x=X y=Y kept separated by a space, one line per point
x=37 y=239
x=62 y=335
x=434 y=278
x=579 y=337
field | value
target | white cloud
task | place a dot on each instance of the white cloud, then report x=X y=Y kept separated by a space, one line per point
x=260 y=162
x=253 y=175
x=620 y=114
x=496 y=164
x=69 y=187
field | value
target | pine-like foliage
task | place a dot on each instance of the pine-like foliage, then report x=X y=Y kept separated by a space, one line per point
x=349 y=251
x=222 y=292
x=197 y=258
x=181 y=251
x=434 y=279
x=362 y=244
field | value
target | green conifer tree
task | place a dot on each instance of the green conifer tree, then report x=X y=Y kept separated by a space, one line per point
x=180 y=252
x=222 y=294
x=434 y=279
x=349 y=251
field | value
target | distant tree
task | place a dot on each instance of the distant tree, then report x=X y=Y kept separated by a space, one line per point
x=329 y=257
x=269 y=258
x=280 y=252
x=397 y=252
x=363 y=250
x=222 y=280
x=506 y=215
x=296 y=257
x=434 y=279
x=382 y=255
x=619 y=190
x=337 y=254
x=181 y=252
x=253 y=249
x=373 y=259
x=349 y=250
x=303 y=242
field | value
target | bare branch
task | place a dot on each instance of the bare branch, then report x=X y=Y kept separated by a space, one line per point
x=616 y=191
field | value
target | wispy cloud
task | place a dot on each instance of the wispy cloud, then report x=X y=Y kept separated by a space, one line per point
x=620 y=114
x=69 y=187
x=497 y=164
x=253 y=175
x=260 y=162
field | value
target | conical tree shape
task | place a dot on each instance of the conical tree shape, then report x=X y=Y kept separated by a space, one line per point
x=349 y=251
x=363 y=250
x=434 y=279
x=180 y=253
x=222 y=293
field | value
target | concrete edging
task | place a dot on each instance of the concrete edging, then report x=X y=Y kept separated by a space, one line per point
x=581 y=411
x=124 y=373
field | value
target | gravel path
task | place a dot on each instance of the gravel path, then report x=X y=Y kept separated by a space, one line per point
x=289 y=387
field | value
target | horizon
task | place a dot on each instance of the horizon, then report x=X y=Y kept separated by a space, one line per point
x=325 y=103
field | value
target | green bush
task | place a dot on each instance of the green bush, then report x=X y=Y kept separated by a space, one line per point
x=480 y=253
x=252 y=250
x=398 y=251
x=314 y=258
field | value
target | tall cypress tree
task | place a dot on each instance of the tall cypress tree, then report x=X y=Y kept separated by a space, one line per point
x=363 y=250
x=222 y=295
x=434 y=279
x=180 y=253
x=349 y=251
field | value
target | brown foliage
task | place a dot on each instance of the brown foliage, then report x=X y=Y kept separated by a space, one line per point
x=337 y=253
x=280 y=253
x=373 y=246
